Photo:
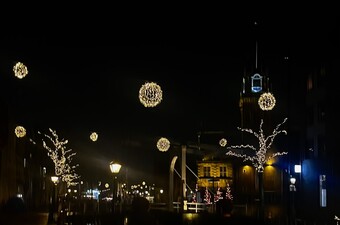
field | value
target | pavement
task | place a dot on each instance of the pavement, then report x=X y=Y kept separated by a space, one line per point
x=26 y=218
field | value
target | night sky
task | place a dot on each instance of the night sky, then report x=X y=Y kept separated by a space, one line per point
x=85 y=74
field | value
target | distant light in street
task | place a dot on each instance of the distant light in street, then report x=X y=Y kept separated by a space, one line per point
x=297 y=168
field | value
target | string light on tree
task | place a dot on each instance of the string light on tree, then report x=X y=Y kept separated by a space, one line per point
x=223 y=142
x=207 y=196
x=163 y=144
x=20 y=70
x=259 y=158
x=20 y=131
x=94 y=136
x=150 y=94
x=218 y=195
x=228 y=194
x=62 y=158
x=267 y=101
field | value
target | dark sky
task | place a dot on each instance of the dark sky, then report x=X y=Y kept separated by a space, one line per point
x=85 y=74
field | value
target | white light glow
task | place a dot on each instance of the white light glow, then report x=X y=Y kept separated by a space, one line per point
x=297 y=168
x=115 y=167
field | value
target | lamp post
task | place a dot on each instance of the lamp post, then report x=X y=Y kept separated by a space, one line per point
x=115 y=168
x=54 y=180
x=292 y=190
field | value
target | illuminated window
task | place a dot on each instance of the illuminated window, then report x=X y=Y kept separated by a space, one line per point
x=206 y=171
x=256 y=83
x=223 y=171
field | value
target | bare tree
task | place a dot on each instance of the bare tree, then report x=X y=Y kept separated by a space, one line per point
x=62 y=158
x=260 y=156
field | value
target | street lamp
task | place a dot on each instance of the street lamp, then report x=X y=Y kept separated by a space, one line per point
x=292 y=190
x=54 y=180
x=115 y=168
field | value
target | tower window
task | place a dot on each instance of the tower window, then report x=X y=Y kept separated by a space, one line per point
x=256 y=83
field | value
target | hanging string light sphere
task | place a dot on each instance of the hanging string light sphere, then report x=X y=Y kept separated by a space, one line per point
x=94 y=136
x=150 y=94
x=267 y=101
x=223 y=142
x=20 y=131
x=20 y=70
x=163 y=144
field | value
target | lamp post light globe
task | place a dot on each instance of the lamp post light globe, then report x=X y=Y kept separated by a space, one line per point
x=292 y=190
x=292 y=184
x=115 y=168
x=55 y=179
x=53 y=206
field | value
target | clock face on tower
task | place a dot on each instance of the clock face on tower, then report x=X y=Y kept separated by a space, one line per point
x=256 y=83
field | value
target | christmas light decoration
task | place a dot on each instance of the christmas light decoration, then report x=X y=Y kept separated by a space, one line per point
x=223 y=142
x=337 y=219
x=163 y=144
x=265 y=143
x=207 y=196
x=94 y=136
x=218 y=195
x=20 y=131
x=228 y=194
x=61 y=158
x=267 y=101
x=150 y=94
x=20 y=70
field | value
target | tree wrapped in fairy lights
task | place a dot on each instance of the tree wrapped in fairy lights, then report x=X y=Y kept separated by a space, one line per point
x=207 y=196
x=265 y=143
x=218 y=195
x=62 y=158
x=260 y=156
x=228 y=194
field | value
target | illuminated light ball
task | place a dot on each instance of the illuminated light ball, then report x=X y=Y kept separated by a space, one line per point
x=94 y=136
x=223 y=142
x=20 y=131
x=267 y=101
x=107 y=185
x=163 y=144
x=20 y=70
x=150 y=94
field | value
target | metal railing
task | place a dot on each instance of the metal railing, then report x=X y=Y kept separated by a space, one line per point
x=191 y=206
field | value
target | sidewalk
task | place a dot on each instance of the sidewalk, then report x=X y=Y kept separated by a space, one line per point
x=27 y=218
